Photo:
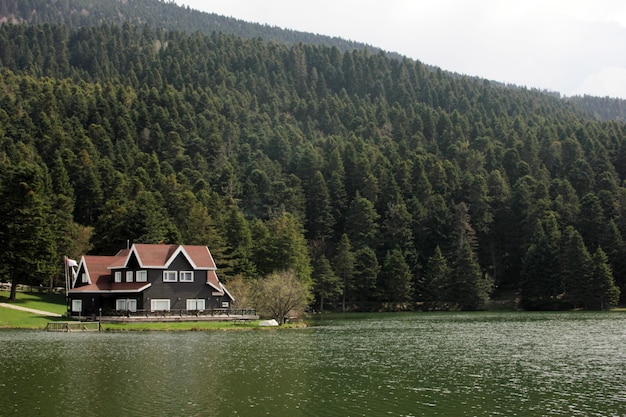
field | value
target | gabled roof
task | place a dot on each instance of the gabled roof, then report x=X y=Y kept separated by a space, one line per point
x=98 y=268
x=161 y=256
x=99 y=277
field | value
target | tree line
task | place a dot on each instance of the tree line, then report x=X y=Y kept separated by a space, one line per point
x=383 y=183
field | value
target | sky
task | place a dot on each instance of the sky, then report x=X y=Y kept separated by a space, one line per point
x=573 y=47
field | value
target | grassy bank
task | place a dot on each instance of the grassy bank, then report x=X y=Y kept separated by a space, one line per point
x=16 y=319
x=54 y=303
x=180 y=326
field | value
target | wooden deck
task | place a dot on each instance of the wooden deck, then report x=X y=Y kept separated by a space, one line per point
x=73 y=326
x=173 y=316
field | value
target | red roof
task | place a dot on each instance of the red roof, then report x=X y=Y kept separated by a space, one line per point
x=160 y=256
x=98 y=268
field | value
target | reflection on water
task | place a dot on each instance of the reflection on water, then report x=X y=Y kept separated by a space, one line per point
x=469 y=364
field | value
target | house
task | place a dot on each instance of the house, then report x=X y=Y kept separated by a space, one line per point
x=147 y=278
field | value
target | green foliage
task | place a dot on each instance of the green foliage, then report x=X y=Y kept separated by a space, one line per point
x=435 y=283
x=281 y=295
x=326 y=285
x=603 y=291
x=29 y=250
x=274 y=153
x=396 y=279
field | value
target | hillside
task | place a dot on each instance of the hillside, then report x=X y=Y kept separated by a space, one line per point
x=381 y=181
x=156 y=14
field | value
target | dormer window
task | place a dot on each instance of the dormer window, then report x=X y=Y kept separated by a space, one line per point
x=170 y=276
x=142 y=276
x=129 y=276
x=118 y=276
x=186 y=276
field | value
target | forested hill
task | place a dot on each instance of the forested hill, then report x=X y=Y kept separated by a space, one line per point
x=602 y=108
x=164 y=14
x=382 y=182
x=157 y=14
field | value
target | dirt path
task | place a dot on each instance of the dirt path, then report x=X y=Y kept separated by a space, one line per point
x=30 y=310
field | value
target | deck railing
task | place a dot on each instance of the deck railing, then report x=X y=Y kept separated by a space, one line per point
x=73 y=326
x=227 y=312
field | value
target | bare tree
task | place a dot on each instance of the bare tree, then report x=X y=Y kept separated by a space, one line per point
x=241 y=289
x=282 y=293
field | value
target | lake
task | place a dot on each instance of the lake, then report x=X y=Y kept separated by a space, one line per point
x=424 y=364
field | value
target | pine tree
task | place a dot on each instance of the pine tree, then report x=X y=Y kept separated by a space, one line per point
x=240 y=245
x=541 y=281
x=395 y=277
x=604 y=291
x=366 y=270
x=326 y=285
x=343 y=264
x=469 y=288
x=435 y=284
x=575 y=262
x=28 y=251
x=362 y=222
x=319 y=217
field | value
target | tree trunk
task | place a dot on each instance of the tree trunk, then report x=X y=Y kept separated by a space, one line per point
x=13 y=295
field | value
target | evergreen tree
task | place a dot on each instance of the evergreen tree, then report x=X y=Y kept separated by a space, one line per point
x=343 y=264
x=362 y=222
x=326 y=285
x=395 y=277
x=320 y=220
x=541 y=282
x=240 y=245
x=28 y=249
x=469 y=287
x=604 y=292
x=366 y=270
x=396 y=227
x=575 y=264
x=286 y=246
x=435 y=284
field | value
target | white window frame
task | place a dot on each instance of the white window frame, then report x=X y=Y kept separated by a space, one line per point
x=129 y=276
x=77 y=306
x=154 y=303
x=225 y=304
x=118 y=276
x=170 y=276
x=196 y=304
x=83 y=278
x=141 y=276
x=126 y=304
x=185 y=276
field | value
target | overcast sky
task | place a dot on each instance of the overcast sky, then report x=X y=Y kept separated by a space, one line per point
x=569 y=46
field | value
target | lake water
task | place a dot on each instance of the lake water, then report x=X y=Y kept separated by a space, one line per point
x=466 y=364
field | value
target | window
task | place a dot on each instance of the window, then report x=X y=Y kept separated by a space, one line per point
x=129 y=276
x=118 y=276
x=142 y=276
x=83 y=278
x=195 y=304
x=77 y=306
x=126 y=304
x=170 y=276
x=224 y=304
x=186 y=276
x=159 y=305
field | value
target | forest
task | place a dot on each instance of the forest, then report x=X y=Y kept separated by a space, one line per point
x=384 y=183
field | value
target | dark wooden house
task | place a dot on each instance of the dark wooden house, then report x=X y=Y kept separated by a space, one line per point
x=148 y=278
